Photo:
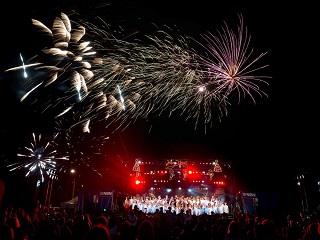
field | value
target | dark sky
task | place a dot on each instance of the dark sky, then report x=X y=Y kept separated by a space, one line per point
x=268 y=142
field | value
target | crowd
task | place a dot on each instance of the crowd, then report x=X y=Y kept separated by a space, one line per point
x=197 y=205
x=133 y=223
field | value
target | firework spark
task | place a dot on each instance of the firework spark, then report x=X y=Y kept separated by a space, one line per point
x=25 y=75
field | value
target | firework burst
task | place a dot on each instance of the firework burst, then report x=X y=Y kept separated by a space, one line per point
x=39 y=158
x=62 y=70
x=229 y=65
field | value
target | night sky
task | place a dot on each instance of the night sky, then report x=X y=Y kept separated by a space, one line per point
x=268 y=143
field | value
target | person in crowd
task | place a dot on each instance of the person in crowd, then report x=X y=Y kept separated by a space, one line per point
x=97 y=232
x=26 y=221
x=267 y=230
x=311 y=232
x=103 y=220
x=293 y=230
x=14 y=222
x=133 y=220
x=125 y=232
x=145 y=231
x=233 y=232
x=65 y=233
x=82 y=224
x=113 y=224
x=6 y=231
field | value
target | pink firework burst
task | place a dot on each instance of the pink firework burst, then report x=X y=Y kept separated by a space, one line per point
x=228 y=64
